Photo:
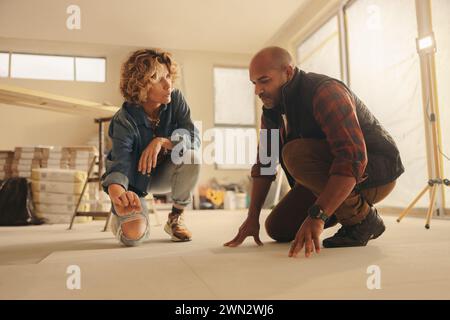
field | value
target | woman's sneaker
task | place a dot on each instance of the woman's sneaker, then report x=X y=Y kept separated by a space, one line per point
x=176 y=228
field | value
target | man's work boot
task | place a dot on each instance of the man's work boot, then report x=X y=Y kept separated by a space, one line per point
x=359 y=234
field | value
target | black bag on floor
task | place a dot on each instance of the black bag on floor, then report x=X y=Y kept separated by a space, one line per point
x=16 y=205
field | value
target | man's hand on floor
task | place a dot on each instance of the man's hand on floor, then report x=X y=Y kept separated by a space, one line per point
x=249 y=228
x=308 y=236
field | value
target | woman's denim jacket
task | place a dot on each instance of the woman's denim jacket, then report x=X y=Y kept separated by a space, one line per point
x=130 y=132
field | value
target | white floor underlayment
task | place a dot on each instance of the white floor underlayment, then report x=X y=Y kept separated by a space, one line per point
x=414 y=263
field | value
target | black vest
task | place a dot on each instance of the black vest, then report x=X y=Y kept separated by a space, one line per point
x=384 y=163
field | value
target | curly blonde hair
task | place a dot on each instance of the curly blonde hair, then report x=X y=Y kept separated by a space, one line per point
x=142 y=69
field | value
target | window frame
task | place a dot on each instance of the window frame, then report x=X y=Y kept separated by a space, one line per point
x=9 y=64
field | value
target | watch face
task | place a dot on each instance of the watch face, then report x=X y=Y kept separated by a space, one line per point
x=314 y=211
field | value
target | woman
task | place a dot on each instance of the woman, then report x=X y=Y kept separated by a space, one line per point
x=141 y=158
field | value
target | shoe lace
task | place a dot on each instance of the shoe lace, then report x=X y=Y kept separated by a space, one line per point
x=176 y=219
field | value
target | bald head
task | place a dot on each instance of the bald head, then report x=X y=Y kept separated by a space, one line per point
x=269 y=70
x=272 y=58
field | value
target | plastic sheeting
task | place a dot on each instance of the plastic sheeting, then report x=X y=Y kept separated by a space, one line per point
x=385 y=74
x=441 y=26
x=320 y=52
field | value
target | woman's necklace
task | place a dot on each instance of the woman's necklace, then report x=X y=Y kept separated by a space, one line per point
x=154 y=121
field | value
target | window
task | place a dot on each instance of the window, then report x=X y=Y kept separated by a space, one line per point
x=385 y=74
x=320 y=52
x=33 y=66
x=51 y=67
x=234 y=100
x=235 y=138
x=90 y=69
x=4 y=64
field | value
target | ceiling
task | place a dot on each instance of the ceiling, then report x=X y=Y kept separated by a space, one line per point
x=239 y=26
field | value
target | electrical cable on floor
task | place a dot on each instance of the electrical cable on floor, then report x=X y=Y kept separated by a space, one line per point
x=431 y=120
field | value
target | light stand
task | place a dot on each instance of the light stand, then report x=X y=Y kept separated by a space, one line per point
x=426 y=47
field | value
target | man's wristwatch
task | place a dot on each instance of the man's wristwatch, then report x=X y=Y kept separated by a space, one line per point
x=316 y=212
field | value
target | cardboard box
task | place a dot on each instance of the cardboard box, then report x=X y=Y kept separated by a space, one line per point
x=6 y=154
x=69 y=209
x=21 y=174
x=86 y=155
x=59 y=175
x=26 y=162
x=57 y=198
x=28 y=155
x=24 y=167
x=92 y=149
x=55 y=163
x=56 y=187
x=5 y=175
x=32 y=152
x=6 y=161
x=62 y=218
x=59 y=155
x=5 y=167
x=80 y=161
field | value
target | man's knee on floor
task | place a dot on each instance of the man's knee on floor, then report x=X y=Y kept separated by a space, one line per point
x=133 y=231
x=277 y=232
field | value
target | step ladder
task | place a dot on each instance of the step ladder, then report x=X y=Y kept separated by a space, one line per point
x=92 y=177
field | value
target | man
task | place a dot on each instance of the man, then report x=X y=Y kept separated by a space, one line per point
x=338 y=159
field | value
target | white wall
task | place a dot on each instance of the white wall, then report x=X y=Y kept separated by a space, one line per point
x=302 y=23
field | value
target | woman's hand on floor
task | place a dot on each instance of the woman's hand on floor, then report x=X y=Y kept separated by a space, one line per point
x=250 y=228
x=125 y=202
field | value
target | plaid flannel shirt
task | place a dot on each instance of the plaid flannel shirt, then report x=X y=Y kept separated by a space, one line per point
x=335 y=111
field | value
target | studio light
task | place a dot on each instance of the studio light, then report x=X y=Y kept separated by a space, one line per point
x=426 y=44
